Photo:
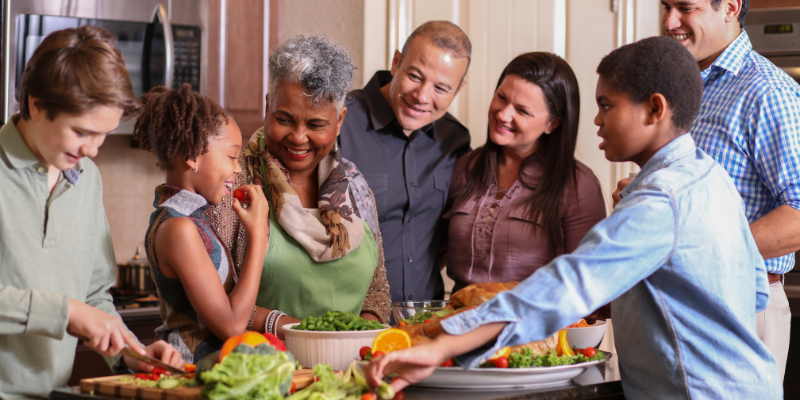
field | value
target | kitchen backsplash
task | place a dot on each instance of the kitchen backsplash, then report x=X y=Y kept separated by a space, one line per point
x=129 y=176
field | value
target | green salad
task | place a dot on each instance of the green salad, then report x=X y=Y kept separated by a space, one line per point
x=423 y=316
x=337 y=321
x=259 y=372
x=526 y=359
x=351 y=386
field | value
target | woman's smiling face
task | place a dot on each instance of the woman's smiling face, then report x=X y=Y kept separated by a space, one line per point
x=518 y=115
x=298 y=133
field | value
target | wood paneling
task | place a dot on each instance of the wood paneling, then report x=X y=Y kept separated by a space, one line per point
x=244 y=64
x=212 y=80
x=774 y=3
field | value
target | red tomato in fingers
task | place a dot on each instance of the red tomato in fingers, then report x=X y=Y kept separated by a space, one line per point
x=293 y=389
x=377 y=354
x=590 y=352
x=395 y=379
x=447 y=363
x=369 y=396
x=239 y=194
x=399 y=396
x=364 y=351
x=501 y=362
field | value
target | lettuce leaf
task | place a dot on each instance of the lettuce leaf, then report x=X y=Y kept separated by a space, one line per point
x=249 y=376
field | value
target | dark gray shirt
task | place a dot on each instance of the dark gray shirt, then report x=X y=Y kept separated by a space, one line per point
x=410 y=178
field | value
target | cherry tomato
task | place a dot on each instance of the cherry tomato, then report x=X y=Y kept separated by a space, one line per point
x=239 y=194
x=369 y=396
x=399 y=396
x=426 y=321
x=377 y=354
x=316 y=378
x=590 y=352
x=447 y=363
x=395 y=379
x=293 y=389
x=577 y=351
x=364 y=351
x=402 y=323
x=501 y=362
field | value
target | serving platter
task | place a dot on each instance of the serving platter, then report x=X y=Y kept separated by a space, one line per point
x=493 y=378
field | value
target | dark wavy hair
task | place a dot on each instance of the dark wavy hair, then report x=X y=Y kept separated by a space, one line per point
x=560 y=87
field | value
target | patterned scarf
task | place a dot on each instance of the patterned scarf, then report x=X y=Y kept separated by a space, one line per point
x=341 y=229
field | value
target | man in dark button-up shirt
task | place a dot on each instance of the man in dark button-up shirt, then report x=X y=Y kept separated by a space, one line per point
x=399 y=134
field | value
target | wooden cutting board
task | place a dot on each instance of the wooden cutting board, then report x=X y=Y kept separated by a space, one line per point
x=115 y=386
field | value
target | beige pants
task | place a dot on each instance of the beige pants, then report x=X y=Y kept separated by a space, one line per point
x=774 y=324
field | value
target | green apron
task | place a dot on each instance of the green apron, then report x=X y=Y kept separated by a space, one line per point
x=294 y=283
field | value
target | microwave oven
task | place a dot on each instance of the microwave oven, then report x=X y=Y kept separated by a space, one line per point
x=164 y=42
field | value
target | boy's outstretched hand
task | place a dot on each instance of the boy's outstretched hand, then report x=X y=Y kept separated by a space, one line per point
x=411 y=365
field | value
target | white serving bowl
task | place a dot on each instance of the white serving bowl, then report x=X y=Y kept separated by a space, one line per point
x=337 y=348
x=588 y=336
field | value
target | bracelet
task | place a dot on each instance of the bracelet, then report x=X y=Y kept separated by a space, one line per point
x=275 y=323
x=270 y=318
x=253 y=315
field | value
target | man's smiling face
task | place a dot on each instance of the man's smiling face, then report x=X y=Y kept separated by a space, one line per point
x=703 y=30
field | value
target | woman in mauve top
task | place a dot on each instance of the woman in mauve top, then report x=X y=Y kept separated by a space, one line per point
x=522 y=199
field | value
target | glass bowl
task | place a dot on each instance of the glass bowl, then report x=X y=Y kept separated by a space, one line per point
x=406 y=310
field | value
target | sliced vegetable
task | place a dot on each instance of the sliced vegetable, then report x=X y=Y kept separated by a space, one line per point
x=563 y=347
x=502 y=352
x=168 y=383
x=189 y=367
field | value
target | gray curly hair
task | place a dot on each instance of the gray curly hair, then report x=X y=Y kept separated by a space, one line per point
x=323 y=68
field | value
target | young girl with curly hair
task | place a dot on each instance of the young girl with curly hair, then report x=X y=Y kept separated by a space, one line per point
x=197 y=144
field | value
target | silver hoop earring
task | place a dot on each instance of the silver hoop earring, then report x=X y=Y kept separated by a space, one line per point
x=195 y=168
x=336 y=146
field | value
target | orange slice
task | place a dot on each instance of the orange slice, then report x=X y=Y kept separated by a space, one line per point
x=391 y=340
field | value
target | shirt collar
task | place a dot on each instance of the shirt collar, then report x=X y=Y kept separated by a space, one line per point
x=380 y=112
x=677 y=148
x=181 y=200
x=20 y=156
x=732 y=58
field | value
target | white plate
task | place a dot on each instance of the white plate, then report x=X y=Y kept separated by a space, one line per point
x=491 y=378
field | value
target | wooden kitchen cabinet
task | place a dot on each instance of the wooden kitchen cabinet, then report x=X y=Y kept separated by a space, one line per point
x=240 y=61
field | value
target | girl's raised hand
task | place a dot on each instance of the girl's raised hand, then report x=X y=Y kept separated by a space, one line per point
x=255 y=218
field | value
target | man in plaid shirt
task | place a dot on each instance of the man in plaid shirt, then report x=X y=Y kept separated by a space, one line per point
x=749 y=121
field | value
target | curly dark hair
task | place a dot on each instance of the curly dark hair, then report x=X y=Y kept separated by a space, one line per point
x=177 y=123
x=657 y=65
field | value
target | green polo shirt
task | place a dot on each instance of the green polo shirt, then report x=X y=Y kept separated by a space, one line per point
x=53 y=247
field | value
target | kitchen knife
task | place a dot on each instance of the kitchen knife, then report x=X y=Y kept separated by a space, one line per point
x=127 y=351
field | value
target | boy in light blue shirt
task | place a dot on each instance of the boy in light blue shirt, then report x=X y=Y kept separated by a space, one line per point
x=676 y=256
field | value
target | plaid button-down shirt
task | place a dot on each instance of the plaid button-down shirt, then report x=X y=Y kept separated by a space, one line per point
x=749 y=122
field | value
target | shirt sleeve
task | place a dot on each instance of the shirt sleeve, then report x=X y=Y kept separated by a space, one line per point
x=33 y=312
x=776 y=144
x=616 y=254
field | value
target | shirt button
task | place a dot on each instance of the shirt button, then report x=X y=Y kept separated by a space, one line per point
x=413 y=184
x=410 y=259
x=411 y=297
x=408 y=221
x=41 y=170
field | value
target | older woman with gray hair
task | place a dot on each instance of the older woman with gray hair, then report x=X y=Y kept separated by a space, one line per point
x=325 y=251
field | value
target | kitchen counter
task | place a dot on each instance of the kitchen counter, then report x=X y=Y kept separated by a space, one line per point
x=601 y=382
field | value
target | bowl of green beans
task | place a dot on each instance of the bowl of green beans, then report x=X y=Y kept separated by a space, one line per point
x=333 y=338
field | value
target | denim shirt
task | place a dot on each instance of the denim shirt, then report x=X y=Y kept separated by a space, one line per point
x=678 y=257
